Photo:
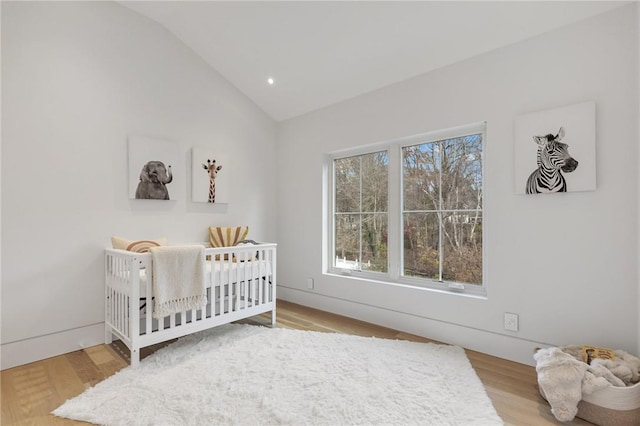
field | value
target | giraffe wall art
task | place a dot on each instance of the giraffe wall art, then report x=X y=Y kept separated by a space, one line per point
x=211 y=176
x=212 y=169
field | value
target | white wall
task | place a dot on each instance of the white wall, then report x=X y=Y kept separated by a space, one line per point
x=77 y=79
x=565 y=263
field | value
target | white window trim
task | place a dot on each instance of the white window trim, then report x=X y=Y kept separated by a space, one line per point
x=394 y=212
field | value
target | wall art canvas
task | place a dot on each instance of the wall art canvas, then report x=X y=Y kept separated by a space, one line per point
x=153 y=167
x=555 y=150
x=211 y=173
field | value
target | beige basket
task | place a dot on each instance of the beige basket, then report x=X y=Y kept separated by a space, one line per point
x=612 y=406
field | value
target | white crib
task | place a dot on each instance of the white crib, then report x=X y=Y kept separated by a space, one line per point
x=241 y=283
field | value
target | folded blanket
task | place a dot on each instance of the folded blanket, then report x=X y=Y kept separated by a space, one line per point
x=178 y=279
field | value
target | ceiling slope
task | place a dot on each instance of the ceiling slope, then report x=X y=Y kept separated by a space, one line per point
x=321 y=53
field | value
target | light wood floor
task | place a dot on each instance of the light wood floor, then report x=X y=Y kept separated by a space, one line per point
x=31 y=391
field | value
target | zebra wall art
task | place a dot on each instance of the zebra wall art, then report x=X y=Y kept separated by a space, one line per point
x=553 y=159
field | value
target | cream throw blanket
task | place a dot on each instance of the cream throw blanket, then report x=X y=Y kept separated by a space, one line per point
x=178 y=279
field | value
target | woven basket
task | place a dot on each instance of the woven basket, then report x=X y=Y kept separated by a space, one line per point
x=612 y=406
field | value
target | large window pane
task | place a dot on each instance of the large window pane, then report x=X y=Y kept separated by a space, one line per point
x=442 y=209
x=361 y=203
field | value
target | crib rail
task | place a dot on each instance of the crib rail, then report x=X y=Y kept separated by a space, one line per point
x=122 y=280
x=241 y=282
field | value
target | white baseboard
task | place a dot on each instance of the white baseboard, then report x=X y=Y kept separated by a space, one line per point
x=499 y=345
x=38 y=348
x=514 y=349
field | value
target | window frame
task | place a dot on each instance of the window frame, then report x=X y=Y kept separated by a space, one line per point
x=395 y=208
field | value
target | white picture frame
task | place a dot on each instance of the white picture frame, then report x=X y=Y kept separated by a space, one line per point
x=155 y=171
x=573 y=126
x=211 y=176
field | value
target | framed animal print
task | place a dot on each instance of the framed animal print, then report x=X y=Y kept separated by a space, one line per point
x=154 y=168
x=211 y=173
x=555 y=150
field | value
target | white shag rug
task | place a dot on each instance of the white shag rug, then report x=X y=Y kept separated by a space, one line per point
x=250 y=375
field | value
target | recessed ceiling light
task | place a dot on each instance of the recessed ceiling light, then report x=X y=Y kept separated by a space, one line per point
x=270 y=81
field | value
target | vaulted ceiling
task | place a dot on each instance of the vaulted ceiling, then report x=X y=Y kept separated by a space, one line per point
x=320 y=53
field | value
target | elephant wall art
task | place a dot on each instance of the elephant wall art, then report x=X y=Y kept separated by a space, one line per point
x=152 y=167
x=154 y=179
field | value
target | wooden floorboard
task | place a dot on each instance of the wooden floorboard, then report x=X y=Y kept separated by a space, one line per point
x=30 y=392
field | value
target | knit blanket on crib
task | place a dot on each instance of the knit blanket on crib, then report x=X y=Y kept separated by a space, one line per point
x=178 y=279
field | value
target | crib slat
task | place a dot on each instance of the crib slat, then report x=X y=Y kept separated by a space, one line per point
x=133 y=305
x=212 y=287
x=219 y=290
x=110 y=305
x=229 y=262
x=241 y=277
x=272 y=285
x=121 y=313
x=116 y=311
x=125 y=314
x=148 y=293
x=118 y=302
x=114 y=301
x=260 y=282
x=245 y=283
x=238 y=286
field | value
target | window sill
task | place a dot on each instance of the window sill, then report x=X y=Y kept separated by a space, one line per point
x=410 y=283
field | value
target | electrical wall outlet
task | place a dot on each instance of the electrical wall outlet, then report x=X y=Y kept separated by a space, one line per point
x=310 y=283
x=510 y=321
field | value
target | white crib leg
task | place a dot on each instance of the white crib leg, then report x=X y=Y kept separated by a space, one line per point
x=108 y=337
x=273 y=317
x=135 y=358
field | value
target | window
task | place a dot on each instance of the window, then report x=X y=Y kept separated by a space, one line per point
x=442 y=209
x=361 y=220
x=411 y=210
